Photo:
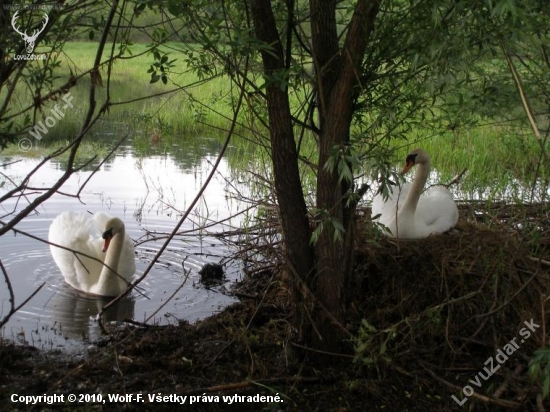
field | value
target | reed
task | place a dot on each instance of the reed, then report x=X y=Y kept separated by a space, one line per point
x=502 y=160
x=135 y=102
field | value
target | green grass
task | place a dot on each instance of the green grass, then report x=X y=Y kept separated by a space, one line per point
x=184 y=111
x=179 y=118
x=502 y=161
x=87 y=150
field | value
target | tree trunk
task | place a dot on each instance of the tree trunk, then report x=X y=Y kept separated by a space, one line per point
x=337 y=74
x=336 y=80
x=288 y=187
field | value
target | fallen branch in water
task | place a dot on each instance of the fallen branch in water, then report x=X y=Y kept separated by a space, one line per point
x=14 y=308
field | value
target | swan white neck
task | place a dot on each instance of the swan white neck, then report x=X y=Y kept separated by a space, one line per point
x=108 y=283
x=420 y=178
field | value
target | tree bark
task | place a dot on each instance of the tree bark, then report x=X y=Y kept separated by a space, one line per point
x=338 y=82
x=336 y=72
x=288 y=187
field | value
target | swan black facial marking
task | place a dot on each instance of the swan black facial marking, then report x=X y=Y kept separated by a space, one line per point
x=108 y=234
x=411 y=158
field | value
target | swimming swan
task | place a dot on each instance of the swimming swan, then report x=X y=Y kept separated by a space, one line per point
x=407 y=214
x=93 y=235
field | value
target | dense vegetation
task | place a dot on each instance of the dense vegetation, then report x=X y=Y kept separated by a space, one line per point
x=330 y=91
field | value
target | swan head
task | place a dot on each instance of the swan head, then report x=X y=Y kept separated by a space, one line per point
x=416 y=157
x=113 y=227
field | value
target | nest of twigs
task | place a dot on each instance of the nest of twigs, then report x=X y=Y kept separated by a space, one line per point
x=439 y=308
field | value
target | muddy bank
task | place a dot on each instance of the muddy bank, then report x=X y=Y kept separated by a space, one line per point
x=427 y=317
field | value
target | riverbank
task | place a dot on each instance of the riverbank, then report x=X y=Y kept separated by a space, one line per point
x=429 y=318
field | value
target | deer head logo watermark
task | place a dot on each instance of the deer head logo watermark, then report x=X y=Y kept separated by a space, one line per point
x=29 y=40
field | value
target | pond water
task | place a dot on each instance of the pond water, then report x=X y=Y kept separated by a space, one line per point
x=149 y=194
x=149 y=191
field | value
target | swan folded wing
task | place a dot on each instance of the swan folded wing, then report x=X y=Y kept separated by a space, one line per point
x=379 y=204
x=100 y=219
x=437 y=210
x=72 y=230
x=68 y=227
x=86 y=268
x=395 y=199
x=388 y=209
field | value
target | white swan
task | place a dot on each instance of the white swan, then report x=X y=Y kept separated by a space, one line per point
x=93 y=236
x=407 y=214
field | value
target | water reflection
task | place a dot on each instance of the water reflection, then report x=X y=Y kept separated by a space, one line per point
x=74 y=311
x=149 y=195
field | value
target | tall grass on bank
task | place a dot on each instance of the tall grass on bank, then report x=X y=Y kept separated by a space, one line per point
x=501 y=162
x=179 y=112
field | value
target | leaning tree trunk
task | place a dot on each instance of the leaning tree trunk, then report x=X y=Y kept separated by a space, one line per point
x=337 y=73
x=288 y=187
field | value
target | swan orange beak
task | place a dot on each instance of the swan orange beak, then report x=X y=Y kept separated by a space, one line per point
x=408 y=165
x=106 y=244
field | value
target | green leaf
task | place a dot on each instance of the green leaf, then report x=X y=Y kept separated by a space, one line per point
x=139 y=8
x=382 y=349
x=361 y=347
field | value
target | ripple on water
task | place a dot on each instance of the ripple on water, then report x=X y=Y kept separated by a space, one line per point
x=60 y=316
x=58 y=313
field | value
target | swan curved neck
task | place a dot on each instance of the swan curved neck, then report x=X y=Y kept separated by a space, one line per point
x=108 y=283
x=420 y=178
